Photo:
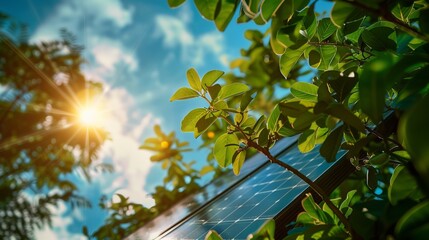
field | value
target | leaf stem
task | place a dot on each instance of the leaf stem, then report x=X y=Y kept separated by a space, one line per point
x=388 y=16
x=313 y=185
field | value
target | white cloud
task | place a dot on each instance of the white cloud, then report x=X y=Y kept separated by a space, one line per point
x=60 y=223
x=175 y=32
x=94 y=22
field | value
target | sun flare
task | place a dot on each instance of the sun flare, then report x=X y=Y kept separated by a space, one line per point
x=89 y=116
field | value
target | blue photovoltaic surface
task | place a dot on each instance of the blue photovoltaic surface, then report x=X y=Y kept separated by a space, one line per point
x=242 y=209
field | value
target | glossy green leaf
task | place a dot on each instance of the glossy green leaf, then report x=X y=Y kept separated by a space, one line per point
x=378 y=38
x=327 y=56
x=193 y=79
x=207 y=8
x=413 y=133
x=245 y=100
x=325 y=29
x=314 y=210
x=211 y=77
x=204 y=123
x=304 y=91
x=379 y=159
x=414 y=224
x=268 y=8
x=184 y=93
x=371 y=178
x=342 y=87
x=402 y=185
x=232 y=89
x=213 y=235
x=273 y=118
x=190 y=120
x=238 y=161
x=307 y=141
x=304 y=120
x=331 y=145
x=373 y=84
x=345 y=205
x=339 y=111
x=226 y=12
x=224 y=149
x=340 y=12
x=290 y=58
x=175 y=3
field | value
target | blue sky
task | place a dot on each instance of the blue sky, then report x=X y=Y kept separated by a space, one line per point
x=141 y=51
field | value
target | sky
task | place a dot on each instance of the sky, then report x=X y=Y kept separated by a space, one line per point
x=140 y=50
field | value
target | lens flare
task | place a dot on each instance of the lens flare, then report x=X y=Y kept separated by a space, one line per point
x=89 y=116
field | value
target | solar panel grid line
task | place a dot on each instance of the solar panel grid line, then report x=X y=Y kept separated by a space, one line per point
x=255 y=163
x=260 y=177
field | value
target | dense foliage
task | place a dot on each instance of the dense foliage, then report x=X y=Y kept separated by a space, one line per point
x=40 y=142
x=372 y=61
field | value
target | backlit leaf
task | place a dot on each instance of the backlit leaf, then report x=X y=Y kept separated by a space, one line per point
x=232 y=89
x=207 y=8
x=325 y=29
x=226 y=12
x=304 y=91
x=184 y=93
x=204 y=123
x=211 y=77
x=307 y=141
x=193 y=79
x=175 y=3
x=238 y=161
x=190 y=120
x=290 y=58
x=332 y=144
x=224 y=149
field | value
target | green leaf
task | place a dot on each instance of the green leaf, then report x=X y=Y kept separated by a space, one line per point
x=204 y=123
x=214 y=91
x=304 y=120
x=373 y=85
x=193 y=79
x=424 y=20
x=213 y=235
x=413 y=132
x=371 y=178
x=207 y=8
x=325 y=29
x=307 y=141
x=402 y=185
x=184 y=93
x=379 y=159
x=273 y=118
x=263 y=137
x=304 y=91
x=292 y=109
x=175 y=3
x=414 y=223
x=339 y=111
x=266 y=231
x=311 y=207
x=227 y=9
x=342 y=87
x=190 y=120
x=211 y=77
x=223 y=153
x=238 y=161
x=327 y=55
x=331 y=145
x=290 y=58
x=341 y=13
x=268 y=8
x=246 y=99
x=378 y=38
x=232 y=89
x=345 y=205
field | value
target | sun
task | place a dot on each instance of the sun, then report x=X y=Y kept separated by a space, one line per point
x=89 y=116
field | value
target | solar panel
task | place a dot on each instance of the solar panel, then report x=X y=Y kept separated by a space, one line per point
x=237 y=206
